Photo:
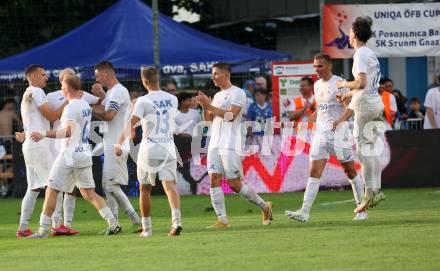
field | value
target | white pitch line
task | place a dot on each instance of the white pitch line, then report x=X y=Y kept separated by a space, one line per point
x=337 y=202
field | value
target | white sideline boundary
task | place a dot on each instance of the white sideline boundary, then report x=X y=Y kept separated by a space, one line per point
x=336 y=202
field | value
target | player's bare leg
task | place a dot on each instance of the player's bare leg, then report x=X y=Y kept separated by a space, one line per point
x=174 y=201
x=27 y=208
x=49 y=204
x=98 y=202
x=357 y=186
x=145 y=206
x=218 y=201
x=312 y=188
x=248 y=193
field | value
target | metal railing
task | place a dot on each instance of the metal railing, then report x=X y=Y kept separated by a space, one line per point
x=6 y=165
x=409 y=124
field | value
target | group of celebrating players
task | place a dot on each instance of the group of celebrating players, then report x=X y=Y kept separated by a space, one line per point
x=58 y=156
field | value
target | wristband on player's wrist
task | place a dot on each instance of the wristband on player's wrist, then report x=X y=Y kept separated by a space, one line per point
x=43 y=133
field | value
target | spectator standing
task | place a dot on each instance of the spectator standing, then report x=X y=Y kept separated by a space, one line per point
x=171 y=88
x=401 y=104
x=303 y=106
x=8 y=115
x=416 y=114
x=259 y=112
x=249 y=88
x=187 y=115
x=388 y=100
x=260 y=82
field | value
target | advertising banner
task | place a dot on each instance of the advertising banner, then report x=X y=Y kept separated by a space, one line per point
x=399 y=30
x=284 y=169
x=285 y=85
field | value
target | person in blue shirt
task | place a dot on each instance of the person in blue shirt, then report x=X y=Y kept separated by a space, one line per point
x=249 y=87
x=259 y=112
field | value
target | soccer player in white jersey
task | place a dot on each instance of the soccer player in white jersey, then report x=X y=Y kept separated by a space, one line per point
x=225 y=147
x=115 y=113
x=157 y=155
x=36 y=116
x=55 y=100
x=73 y=165
x=327 y=142
x=366 y=103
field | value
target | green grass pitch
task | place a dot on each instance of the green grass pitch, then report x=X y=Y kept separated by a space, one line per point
x=403 y=233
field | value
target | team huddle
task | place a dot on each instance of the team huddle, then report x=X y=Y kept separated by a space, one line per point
x=58 y=156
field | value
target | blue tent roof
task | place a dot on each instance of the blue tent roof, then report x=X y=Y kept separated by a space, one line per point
x=123 y=34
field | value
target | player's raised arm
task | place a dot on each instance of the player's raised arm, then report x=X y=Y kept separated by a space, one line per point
x=106 y=115
x=49 y=114
x=359 y=82
x=204 y=101
x=66 y=131
x=99 y=92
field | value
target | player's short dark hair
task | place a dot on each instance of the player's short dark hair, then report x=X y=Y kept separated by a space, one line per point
x=415 y=99
x=151 y=74
x=72 y=81
x=171 y=82
x=327 y=58
x=362 y=28
x=183 y=96
x=309 y=80
x=105 y=66
x=384 y=80
x=31 y=69
x=222 y=66
x=260 y=90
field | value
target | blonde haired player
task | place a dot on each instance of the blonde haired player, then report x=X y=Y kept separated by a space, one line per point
x=73 y=165
x=366 y=103
x=67 y=203
x=327 y=142
x=157 y=156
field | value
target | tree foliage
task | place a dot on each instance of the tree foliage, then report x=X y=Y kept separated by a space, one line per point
x=26 y=24
x=201 y=7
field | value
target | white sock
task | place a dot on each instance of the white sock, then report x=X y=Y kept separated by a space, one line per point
x=56 y=216
x=372 y=172
x=358 y=189
x=176 y=219
x=27 y=208
x=111 y=203
x=249 y=194
x=369 y=191
x=218 y=202
x=146 y=223
x=310 y=194
x=44 y=223
x=69 y=208
x=125 y=204
x=369 y=184
x=377 y=179
x=107 y=214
